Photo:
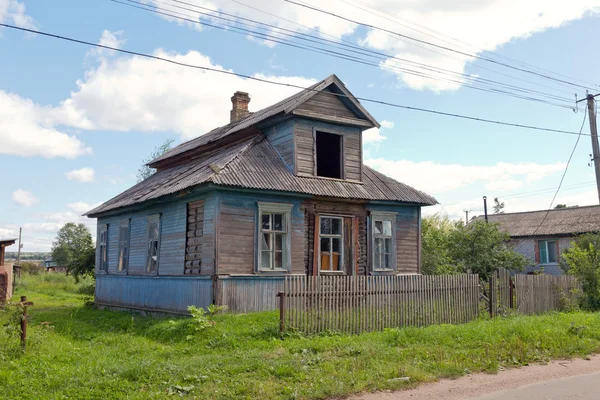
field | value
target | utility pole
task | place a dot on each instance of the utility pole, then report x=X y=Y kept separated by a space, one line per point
x=485 y=208
x=19 y=251
x=594 y=134
x=466 y=216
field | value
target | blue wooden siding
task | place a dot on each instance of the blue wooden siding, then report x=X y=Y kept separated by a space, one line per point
x=172 y=241
x=408 y=240
x=238 y=229
x=153 y=293
x=281 y=137
x=208 y=234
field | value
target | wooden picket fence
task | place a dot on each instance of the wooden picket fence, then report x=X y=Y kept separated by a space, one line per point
x=537 y=294
x=355 y=304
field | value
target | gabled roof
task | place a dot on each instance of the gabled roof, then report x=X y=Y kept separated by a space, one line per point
x=560 y=221
x=254 y=164
x=283 y=107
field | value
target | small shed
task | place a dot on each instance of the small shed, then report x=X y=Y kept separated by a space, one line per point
x=6 y=271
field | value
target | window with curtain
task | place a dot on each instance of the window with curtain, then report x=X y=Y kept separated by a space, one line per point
x=103 y=248
x=123 y=246
x=548 y=251
x=153 y=223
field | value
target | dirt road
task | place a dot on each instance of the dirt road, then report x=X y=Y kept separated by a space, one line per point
x=571 y=379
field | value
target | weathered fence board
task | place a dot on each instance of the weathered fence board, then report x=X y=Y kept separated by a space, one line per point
x=365 y=303
x=542 y=293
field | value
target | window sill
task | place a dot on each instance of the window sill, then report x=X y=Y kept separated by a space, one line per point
x=272 y=271
x=332 y=273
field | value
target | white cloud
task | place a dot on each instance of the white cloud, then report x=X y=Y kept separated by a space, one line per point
x=484 y=24
x=374 y=135
x=83 y=175
x=13 y=11
x=26 y=130
x=435 y=178
x=24 y=198
x=116 y=95
x=112 y=39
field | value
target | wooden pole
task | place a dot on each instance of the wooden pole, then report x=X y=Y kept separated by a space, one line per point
x=491 y=297
x=594 y=135
x=19 y=249
x=24 y=303
x=281 y=296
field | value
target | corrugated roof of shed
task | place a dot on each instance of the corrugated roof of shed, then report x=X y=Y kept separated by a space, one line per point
x=560 y=221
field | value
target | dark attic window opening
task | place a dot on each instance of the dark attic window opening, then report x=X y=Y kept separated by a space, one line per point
x=329 y=155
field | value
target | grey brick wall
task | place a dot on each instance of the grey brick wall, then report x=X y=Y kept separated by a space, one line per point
x=526 y=247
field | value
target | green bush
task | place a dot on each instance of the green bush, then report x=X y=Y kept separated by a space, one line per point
x=583 y=261
x=203 y=319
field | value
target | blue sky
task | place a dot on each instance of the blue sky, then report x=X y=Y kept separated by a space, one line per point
x=75 y=122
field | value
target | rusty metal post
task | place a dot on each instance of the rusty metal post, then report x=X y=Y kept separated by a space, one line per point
x=281 y=296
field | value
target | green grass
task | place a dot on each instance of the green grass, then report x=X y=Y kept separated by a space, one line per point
x=76 y=351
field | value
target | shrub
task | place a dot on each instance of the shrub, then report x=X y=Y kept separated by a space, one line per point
x=203 y=319
x=31 y=268
x=583 y=261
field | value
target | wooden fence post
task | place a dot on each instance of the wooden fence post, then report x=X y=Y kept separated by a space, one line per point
x=491 y=297
x=511 y=286
x=281 y=296
x=24 y=303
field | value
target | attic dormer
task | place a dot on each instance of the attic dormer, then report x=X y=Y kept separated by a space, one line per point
x=320 y=132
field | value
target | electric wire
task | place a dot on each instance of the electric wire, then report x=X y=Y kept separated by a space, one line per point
x=563 y=176
x=264 y=80
x=347 y=57
x=437 y=45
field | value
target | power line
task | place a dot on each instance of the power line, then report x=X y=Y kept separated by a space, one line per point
x=465 y=44
x=263 y=80
x=348 y=57
x=563 y=176
x=435 y=45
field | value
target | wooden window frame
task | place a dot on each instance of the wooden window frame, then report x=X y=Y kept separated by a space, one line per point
x=274 y=208
x=103 y=248
x=342 y=155
x=341 y=270
x=149 y=220
x=122 y=268
x=545 y=243
x=382 y=216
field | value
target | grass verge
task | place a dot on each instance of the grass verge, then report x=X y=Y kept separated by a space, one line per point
x=76 y=351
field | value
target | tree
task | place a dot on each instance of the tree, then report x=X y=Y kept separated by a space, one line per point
x=74 y=249
x=558 y=206
x=498 y=207
x=583 y=261
x=435 y=231
x=452 y=247
x=480 y=248
x=145 y=171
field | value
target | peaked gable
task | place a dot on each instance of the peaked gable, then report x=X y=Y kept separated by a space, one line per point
x=332 y=92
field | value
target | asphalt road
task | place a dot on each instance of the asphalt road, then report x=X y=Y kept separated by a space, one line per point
x=582 y=387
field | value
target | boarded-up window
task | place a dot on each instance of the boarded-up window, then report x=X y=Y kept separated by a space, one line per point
x=195 y=233
x=123 y=245
x=103 y=248
x=153 y=223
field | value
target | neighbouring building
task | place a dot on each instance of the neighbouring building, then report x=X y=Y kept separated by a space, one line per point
x=543 y=235
x=52 y=266
x=275 y=192
x=6 y=271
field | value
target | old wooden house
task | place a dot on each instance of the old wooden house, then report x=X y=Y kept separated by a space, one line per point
x=275 y=192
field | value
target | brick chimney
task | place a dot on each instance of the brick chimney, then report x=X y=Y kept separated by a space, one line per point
x=240 y=102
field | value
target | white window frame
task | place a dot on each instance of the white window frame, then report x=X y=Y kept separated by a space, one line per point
x=275 y=208
x=341 y=269
x=150 y=240
x=545 y=244
x=103 y=248
x=383 y=216
x=123 y=266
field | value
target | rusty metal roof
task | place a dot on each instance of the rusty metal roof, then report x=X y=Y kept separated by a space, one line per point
x=560 y=221
x=254 y=164
x=284 y=106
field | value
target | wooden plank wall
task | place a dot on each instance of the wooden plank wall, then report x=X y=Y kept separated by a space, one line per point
x=355 y=304
x=195 y=237
x=327 y=104
x=249 y=294
x=305 y=147
x=172 y=241
x=237 y=233
x=542 y=293
x=281 y=137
